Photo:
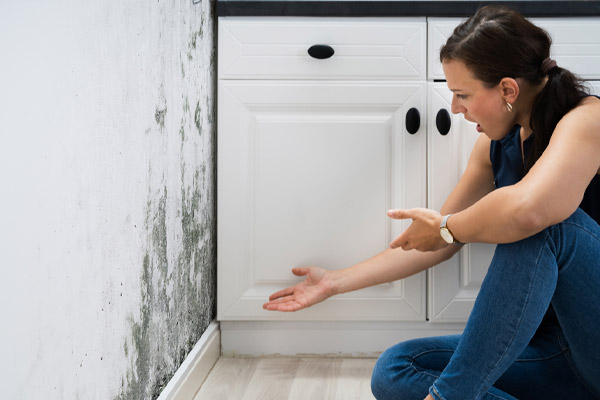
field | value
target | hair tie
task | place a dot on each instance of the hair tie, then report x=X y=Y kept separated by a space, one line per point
x=547 y=65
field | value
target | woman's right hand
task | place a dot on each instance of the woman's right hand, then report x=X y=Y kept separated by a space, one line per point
x=315 y=288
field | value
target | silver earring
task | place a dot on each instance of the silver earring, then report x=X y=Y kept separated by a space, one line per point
x=509 y=107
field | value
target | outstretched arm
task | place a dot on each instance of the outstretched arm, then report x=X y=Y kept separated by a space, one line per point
x=320 y=284
x=393 y=263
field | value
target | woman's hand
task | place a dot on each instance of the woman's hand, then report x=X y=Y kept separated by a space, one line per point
x=315 y=288
x=423 y=234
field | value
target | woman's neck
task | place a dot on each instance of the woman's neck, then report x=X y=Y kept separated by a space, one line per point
x=524 y=105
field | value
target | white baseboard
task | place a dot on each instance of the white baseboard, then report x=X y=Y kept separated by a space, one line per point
x=337 y=339
x=195 y=368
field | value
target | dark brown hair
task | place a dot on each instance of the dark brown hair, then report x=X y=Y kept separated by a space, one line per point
x=498 y=42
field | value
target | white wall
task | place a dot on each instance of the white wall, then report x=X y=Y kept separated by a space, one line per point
x=107 y=201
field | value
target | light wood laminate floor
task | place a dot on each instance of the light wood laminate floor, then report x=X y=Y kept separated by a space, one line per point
x=289 y=378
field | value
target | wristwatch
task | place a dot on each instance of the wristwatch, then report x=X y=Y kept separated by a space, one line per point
x=445 y=232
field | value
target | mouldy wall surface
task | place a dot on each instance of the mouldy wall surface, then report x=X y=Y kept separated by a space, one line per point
x=107 y=164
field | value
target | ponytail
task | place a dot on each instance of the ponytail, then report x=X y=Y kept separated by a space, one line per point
x=561 y=94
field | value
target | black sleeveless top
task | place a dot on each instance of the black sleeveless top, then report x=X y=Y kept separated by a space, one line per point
x=507 y=164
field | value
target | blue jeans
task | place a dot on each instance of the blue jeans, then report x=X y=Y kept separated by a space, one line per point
x=534 y=332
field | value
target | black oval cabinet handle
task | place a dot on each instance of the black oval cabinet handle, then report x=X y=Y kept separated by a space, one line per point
x=321 y=51
x=413 y=121
x=443 y=122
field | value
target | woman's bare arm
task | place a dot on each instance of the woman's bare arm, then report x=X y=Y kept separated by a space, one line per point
x=320 y=284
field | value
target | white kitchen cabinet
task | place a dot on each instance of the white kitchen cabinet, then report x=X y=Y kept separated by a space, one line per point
x=311 y=153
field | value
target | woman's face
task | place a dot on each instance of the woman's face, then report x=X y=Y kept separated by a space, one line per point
x=478 y=103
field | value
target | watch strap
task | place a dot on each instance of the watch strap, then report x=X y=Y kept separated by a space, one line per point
x=444 y=225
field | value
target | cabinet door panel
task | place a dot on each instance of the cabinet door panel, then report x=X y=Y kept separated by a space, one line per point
x=307 y=171
x=454 y=284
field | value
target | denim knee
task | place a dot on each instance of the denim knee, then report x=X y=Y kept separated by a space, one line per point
x=389 y=379
x=399 y=373
x=382 y=377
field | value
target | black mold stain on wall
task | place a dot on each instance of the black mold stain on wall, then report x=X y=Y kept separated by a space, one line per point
x=177 y=298
x=178 y=269
x=197 y=119
x=159 y=116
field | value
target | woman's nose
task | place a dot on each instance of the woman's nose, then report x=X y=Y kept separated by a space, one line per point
x=456 y=108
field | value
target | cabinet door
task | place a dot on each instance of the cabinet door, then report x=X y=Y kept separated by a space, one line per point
x=306 y=172
x=454 y=284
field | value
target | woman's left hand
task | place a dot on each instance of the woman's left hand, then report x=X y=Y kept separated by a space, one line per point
x=423 y=234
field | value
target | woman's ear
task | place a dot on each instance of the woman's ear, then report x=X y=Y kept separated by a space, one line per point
x=510 y=89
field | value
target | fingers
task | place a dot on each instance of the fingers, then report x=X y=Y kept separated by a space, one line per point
x=271 y=303
x=403 y=214
x=398 y=242
x=401 y=241
x=283 y=304
x=299 y=271
x=285 y=300
x=282 y=293
x=288 y=307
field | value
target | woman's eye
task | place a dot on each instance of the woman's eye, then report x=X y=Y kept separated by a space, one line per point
x=461 y=96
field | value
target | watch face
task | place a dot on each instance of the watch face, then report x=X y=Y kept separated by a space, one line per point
x=446 y=235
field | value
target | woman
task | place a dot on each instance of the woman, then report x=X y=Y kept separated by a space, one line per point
x=534 y=331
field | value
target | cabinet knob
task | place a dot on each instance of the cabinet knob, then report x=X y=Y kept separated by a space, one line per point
x=413 y=121
x=321 y=51
x=443 y=122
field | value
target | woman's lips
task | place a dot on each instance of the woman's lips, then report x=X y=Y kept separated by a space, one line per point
x=478 y=128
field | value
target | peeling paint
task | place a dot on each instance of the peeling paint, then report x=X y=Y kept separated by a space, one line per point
x=161 y=108
x=199 y=34
x=159 y=116
x=182 y=131
x=197 y=118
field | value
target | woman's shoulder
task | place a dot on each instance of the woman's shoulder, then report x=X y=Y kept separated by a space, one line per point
x=580 y=128
x=585 y=116
x=588 y=104
x=589 y=100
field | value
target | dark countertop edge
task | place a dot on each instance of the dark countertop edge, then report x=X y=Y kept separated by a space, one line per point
x=401 y=8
